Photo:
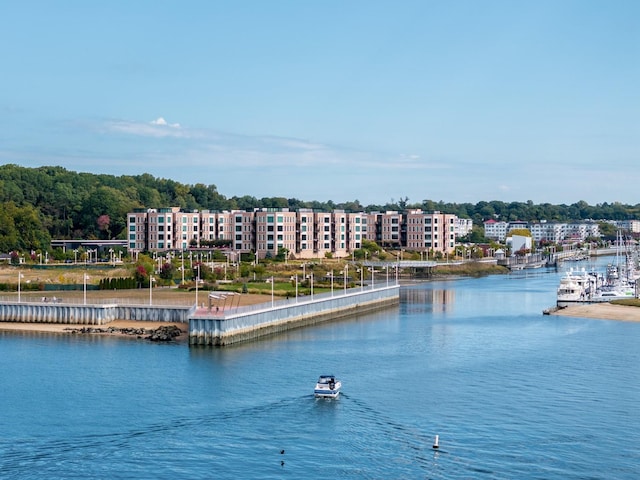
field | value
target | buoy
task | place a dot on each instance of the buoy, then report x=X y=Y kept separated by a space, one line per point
x=435 y=442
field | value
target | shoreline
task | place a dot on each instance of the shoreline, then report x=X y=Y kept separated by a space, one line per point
x=600 y=311
x=74 y=329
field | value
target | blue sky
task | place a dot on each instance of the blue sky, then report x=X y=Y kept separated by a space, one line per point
x=459 y=101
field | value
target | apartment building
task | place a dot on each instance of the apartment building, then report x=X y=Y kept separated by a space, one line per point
x=275 y=229
x=390 y=231
x=304 y=233
x=496 y=230
x=430 y=231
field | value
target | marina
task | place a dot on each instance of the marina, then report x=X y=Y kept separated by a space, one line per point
x=618 y=281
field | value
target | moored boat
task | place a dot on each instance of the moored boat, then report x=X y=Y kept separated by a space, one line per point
x=576 y=287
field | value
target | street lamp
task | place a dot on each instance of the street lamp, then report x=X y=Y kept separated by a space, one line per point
x=151 y=280
x=75 y=255
x=345 y=271
x=197 y=281
x=20 y=275
x=182 y=267
x=332 y=283
x=112 y=257
x=85 y=277
x=310 y=277
x=271 y=280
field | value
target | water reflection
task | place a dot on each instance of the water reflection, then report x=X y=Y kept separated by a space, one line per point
x=427 y=300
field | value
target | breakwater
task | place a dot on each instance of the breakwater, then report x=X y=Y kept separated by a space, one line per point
x=222 y=328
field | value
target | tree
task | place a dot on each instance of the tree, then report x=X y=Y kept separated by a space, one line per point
x=103 y=224
x=167 y=270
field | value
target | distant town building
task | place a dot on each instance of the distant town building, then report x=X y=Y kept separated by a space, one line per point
x=552 y=232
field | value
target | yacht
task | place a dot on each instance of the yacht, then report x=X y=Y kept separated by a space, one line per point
x=576 y=287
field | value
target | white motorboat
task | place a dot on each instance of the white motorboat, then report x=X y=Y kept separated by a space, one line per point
x=582 y=288
x=327 y=387
x=576 y=287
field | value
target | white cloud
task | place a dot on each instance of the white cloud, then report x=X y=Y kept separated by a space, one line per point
x=205 y=147
x=161 y=121
x=157 y=128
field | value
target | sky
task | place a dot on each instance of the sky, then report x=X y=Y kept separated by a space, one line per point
x=376 y=100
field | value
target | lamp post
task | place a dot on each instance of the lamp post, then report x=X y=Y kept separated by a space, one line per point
x=271 y=280
x=332 y=283
x=75 y=255
x=345 y=271
x=296 y=288
x=182 y=267
x=85 y=277
x=112 y=257
x=151 y=280
x=197 y=281
x=20 y=276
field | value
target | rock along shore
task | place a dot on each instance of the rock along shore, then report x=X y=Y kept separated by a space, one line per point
x=152 y=331
x=165 y=333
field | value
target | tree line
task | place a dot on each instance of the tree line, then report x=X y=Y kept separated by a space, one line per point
x=42 y=203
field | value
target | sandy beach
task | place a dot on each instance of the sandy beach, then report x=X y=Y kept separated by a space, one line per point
x=603 y=311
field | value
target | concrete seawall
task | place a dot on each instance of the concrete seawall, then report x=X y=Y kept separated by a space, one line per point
x=90 y=314
x=220 y=330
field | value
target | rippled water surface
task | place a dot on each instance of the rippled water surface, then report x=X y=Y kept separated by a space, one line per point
x=512 y=394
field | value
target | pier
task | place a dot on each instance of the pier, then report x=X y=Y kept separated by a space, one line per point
x=212 y=327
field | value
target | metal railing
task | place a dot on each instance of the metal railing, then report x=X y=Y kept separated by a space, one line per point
x=276 y=304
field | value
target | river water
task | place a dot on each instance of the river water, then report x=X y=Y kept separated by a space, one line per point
x=511 y=393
